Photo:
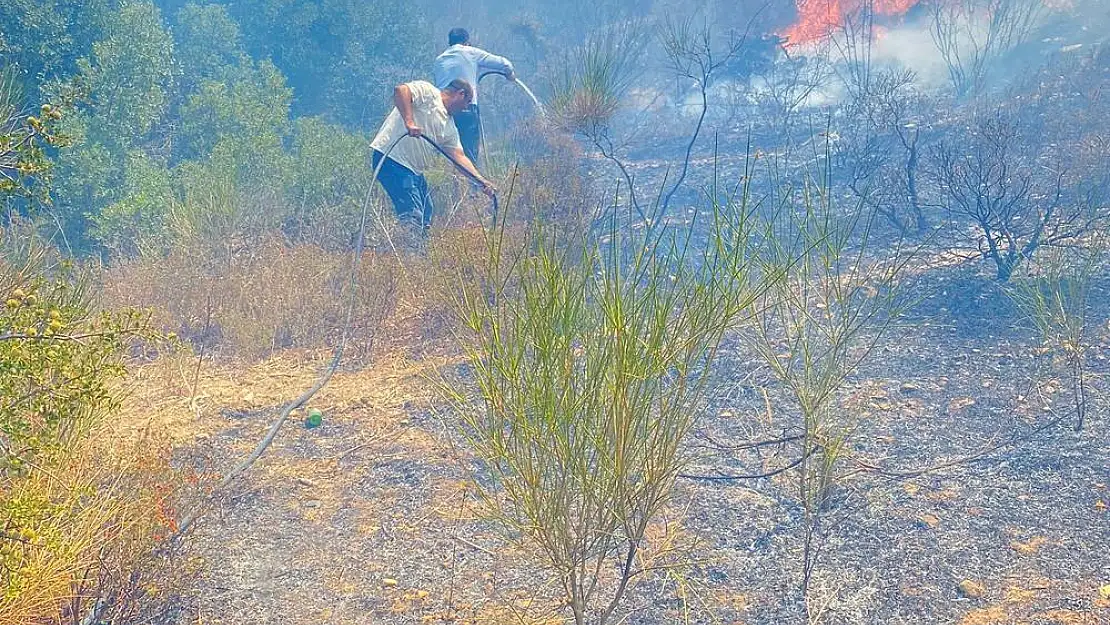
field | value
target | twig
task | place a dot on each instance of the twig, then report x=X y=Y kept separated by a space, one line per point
x=365 y=444
x=475 y=546
x=750 y=445
x=203 y=351
x=732 y=477
x=986 y=451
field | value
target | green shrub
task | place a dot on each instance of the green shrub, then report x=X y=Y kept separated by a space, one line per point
x=57 y=358
x=81 y=511
x=589 y=361
x=1053 y=292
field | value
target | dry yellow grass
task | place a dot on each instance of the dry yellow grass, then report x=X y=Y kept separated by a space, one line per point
x=88 y=528
x=994 y=615
x=1070 y=617
x=1030 y=546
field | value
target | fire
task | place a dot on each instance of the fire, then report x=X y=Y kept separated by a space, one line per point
x=816 y=18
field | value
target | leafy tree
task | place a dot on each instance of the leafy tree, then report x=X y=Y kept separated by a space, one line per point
x=45 y=38
x=137 y=221
x=250 y=107
x=126 y=85
x=208 y=43
x=88 y=173
x=329 y=162
x=341 y=56
x=240 y=125
x=129 y=76
x=329 y=181
x=24 y=141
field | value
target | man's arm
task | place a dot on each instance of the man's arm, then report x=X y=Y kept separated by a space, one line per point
x=494 y=63
x=402 y=99
x=461 y=158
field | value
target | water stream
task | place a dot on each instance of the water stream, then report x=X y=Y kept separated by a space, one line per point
x=539 y=106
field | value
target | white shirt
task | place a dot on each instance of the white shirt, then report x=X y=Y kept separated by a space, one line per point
x=463 y=61
x=431 y=116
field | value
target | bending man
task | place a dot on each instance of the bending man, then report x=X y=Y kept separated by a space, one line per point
x=463 y=61
x=420 y=110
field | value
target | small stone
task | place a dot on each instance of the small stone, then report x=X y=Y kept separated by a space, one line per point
x=930 y=521
x=958 y=404
x=908 y=388
x=405 y=422
x=389 y=582
x=972 y=589
x=1028 y=548
x=304 y=481
x=312 y=504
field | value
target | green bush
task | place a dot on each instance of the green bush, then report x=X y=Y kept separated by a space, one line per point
x=80 y=511
x=589 y=361
x=58 y=359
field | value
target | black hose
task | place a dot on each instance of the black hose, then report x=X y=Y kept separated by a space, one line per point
x=481 y=126
x=493 y=196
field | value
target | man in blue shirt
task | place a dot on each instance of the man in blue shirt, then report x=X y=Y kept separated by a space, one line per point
x=463 y=61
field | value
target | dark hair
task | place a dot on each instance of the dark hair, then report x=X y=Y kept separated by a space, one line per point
x=462 y=87
x=457 y=35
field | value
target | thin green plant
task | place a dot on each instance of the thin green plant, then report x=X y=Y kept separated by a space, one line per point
x=1055 y=297
x=586 y=367
x=835 y=301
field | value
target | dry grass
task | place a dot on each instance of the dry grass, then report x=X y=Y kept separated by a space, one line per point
x=87 y=528
x=256 y=300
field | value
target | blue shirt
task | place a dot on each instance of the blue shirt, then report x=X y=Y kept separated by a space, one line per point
x=466 y=62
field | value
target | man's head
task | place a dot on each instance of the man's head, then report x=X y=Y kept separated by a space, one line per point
x=457 y=96
x=457 y=36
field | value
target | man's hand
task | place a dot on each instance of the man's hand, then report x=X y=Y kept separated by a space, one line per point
x=462 y=161
x=413 y=129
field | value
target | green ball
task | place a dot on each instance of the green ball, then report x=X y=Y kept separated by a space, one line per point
x=315 y=418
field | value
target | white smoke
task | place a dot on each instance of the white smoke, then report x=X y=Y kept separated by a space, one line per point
x=911 y=47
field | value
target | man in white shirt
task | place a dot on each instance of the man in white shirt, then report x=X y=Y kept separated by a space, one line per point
x=420 y=110
x=463 y=61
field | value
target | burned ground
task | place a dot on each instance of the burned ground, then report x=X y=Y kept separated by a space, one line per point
x=969 y=498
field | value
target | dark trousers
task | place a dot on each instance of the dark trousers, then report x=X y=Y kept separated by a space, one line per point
x=407 y=189
x=469 y=124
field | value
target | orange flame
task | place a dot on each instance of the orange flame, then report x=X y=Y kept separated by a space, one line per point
x=817 y=18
